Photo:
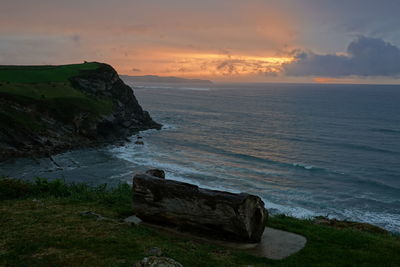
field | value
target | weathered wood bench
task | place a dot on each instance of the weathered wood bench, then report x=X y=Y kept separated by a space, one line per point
x=222 y=215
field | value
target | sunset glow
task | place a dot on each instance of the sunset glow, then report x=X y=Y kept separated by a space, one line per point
x=203 y=132
x=207 y=65
x=243 y=41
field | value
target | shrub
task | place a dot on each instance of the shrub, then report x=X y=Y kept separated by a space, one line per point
x=118 y=196
x=13 y=188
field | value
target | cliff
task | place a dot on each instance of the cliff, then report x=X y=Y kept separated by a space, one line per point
x=50 y=109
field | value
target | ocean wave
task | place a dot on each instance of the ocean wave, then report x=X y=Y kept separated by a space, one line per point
x=146 y=157
x=307 y=167
x=386 y=220
x=165 y=127
x=212 y=186
x=253 y=159
x=315 y=168
x=366 y=148
x=168 y=126
x=343 y=145
x=389 y=221
x=385 y=130
x=297 y=212
x=270 y=161
x=376 y=184
x=226 y=153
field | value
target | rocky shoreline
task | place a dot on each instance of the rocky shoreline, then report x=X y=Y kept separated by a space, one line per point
x=60 y=125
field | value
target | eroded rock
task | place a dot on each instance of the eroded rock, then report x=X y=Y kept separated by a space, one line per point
x=155 y=251
x=156 y=173
x=133 y=220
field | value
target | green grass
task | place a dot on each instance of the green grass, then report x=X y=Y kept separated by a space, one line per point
x=63 y=109
x=49 y=90
x=40 y=74
x=41 y=226
x=46 y=90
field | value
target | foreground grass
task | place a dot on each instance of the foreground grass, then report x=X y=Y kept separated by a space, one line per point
x=40 y=225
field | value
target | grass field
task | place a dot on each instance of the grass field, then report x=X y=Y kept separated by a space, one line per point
x=41 y=226
x=47 y=88
x=41 y=74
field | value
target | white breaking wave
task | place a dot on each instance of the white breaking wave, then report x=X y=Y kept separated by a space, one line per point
x=297 y=212
x=149 y=156
x=307 y=167
x=386 y=220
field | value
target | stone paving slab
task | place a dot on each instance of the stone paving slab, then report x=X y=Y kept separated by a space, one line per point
x=275 y=244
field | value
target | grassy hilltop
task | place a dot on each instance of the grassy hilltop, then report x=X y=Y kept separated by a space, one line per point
x=41 y=225
x=43 y=74
x=49 y=88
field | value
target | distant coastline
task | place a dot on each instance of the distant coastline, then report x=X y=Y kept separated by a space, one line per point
x=163 y=79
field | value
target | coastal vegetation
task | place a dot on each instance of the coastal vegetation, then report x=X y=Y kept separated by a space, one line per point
x=42 y=224
x=49 y=89
x=43 y=73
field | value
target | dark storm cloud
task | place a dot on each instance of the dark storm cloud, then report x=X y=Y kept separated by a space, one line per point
x=365 y=57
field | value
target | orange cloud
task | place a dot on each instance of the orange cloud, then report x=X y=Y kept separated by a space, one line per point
x=197 y=64
x=155 y=27
x=219 y=39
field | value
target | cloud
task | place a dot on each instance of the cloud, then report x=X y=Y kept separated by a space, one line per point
x=222 y=65
x=253 y=27
x=238 y=66
x=365 y=57
x=39 y=49
x=76 y=38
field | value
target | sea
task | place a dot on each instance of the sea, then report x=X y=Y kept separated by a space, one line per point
x=305 y=149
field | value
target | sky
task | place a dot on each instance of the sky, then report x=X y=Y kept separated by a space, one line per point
x=323 y=41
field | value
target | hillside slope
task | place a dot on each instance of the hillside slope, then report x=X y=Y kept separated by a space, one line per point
x=49 y=109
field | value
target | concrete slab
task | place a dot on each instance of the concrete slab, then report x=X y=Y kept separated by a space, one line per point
x=275 y=244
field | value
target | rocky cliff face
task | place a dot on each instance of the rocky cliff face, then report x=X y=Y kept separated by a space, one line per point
x=127 y=115
x=37 y=127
